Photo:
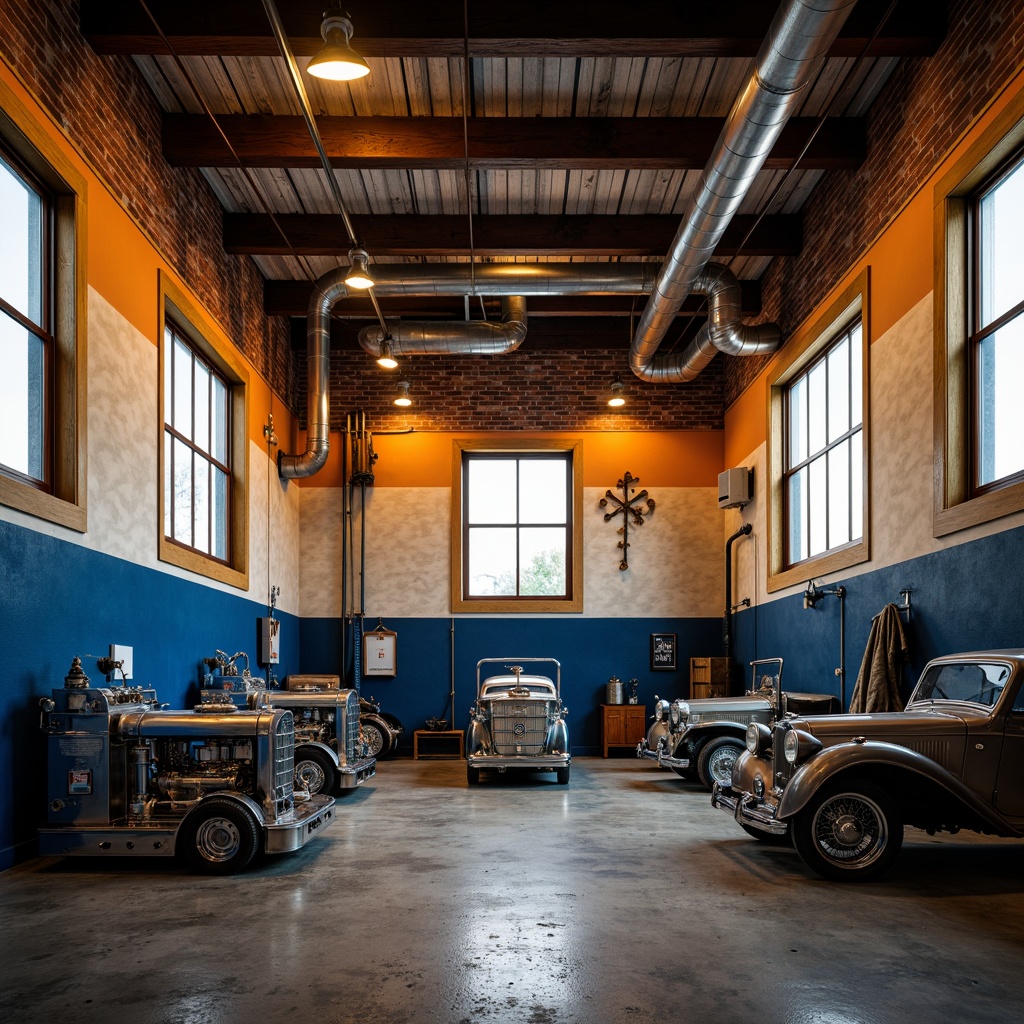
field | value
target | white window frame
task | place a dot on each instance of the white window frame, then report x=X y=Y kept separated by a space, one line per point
x=804 y=349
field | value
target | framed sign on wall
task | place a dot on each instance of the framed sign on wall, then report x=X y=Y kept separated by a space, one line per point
x=664 y=652
x=380 y=652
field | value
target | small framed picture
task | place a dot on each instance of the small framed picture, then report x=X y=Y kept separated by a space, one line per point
x=664 y=652
x=380 y=653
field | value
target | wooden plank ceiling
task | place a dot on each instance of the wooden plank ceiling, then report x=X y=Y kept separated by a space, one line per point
x=583 y=131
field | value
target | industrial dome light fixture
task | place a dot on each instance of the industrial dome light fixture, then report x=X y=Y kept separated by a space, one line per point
x=617 y=393
x=402 y=399
x=386 y=359
x=358 y=275
x=336 y=60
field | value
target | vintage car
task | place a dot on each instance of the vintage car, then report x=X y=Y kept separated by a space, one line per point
x=845 y=786
x=702 y=738
x=518 y=722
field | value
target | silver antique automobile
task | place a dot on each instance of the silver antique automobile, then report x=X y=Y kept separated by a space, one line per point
x=843 y=787
x=701 y=739
x=517 y=722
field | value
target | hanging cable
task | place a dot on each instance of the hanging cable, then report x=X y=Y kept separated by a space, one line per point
x=257 y=191
x=307 y=113
x=465 y=142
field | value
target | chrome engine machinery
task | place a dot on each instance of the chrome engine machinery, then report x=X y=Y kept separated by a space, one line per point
x=128 y=777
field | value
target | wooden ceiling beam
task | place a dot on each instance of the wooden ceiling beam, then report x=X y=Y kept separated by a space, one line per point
x=528 y=28
x=531 y=143
x=291 y=298
x=254 y=234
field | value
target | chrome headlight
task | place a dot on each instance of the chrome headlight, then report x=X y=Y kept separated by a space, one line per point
x=661 y=709
x=758 y=738
x=799 y=745
x=679 y=712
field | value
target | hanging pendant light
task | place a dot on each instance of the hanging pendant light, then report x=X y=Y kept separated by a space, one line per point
x=617 y=393
x=402 y=399
x=386 y=359
x=337 y=61
x=358 y=275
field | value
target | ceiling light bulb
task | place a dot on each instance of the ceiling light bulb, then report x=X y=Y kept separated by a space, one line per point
x=358 y=275
x=337 y=61
x=386 y=360
x=617 y=396
x=402 y=398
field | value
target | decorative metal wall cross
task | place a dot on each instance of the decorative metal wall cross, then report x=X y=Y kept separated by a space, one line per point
x=627 y=506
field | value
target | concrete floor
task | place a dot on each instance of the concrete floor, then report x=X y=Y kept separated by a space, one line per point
x=623 y=897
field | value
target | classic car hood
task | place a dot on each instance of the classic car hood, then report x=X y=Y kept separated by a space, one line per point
x=881 y=725
x=718 y=705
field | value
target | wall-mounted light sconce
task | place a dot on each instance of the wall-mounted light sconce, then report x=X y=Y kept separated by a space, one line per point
x=358 y=275
x=402 y=398
x=617 y=393
x=386 y=360
x=336 y=60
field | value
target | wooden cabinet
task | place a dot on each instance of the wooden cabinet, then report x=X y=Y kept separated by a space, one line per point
x=622 y=725
x=709 y=677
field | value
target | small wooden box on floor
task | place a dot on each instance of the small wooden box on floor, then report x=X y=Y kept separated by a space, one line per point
x=709 y=677
x=622 y=725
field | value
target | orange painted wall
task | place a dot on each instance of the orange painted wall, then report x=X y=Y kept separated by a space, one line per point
x=658 y=458
x=902 y=263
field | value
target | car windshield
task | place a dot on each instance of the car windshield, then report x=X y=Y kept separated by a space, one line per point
x=974 y=682
x=494 y=689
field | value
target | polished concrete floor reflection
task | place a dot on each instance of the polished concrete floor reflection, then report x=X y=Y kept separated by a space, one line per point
x=623 y=897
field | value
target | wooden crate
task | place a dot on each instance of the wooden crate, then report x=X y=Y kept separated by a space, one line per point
x=709 y=677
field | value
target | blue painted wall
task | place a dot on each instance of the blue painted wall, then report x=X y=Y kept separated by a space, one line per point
x=590 y=651
x=968 y=597
x=58 y=600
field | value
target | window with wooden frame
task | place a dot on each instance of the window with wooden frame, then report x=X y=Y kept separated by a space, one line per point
x=817 y=440
x=516 y=535
x=42 y=323
x=203 y=451
x=979 y=329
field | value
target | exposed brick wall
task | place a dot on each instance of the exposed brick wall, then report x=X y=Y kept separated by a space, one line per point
x=924 y=108
x=524 y=390
x=106 y=108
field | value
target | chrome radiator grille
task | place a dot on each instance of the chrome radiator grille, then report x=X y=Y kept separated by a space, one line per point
x=519 y=727
x=351 y=750
x=284 y=759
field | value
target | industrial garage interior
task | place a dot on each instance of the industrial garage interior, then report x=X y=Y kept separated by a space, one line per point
x=783 y=238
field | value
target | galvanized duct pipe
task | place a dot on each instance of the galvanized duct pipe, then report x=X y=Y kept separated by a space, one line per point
x=513 y=280
x=797 y=42
x=453 y=337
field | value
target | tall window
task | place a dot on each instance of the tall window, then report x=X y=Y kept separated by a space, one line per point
x=824 y=451
x=517 y=546
x=818 y=444
x=204 y=457
x=997 y=336
x=42 y=322
x=979 y=327
x=25 y=322
x=197 y=466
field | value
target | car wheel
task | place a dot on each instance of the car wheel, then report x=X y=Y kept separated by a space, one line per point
x=378 y=741
x=314 y=770
x=716 y=758
x=562 y=774
x=851 y=832
x=472 y=775
x=221 y=837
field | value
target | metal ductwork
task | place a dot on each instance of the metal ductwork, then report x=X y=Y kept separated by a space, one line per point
x=448 y=338
x=796 y=45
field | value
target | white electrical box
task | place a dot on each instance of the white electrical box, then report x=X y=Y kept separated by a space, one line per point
x=734 y=487
x=123 y=654
x=270 y=641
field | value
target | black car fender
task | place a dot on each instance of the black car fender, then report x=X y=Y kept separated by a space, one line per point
x=826 y=764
